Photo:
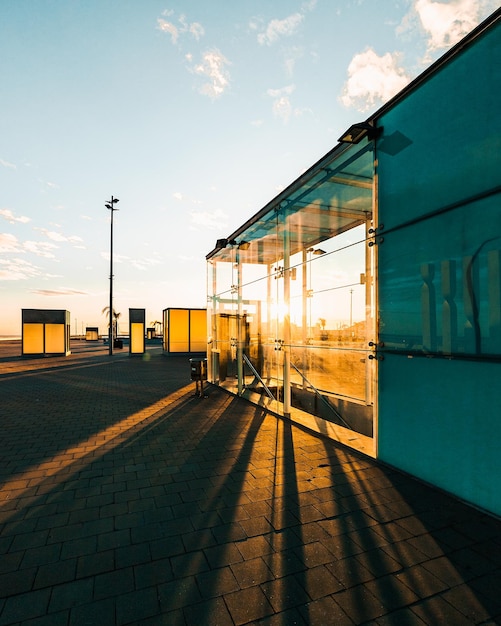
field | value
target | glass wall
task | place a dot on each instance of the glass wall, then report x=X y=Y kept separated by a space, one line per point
x=439 y=276
x=439 y=262
x=291 y=298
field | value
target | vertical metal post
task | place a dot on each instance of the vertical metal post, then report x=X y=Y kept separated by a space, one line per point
x=287 y=321
x=111 y=207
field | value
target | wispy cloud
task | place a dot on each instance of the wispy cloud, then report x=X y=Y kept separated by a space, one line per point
x=7 y=164
x=282 y=105
x=206 y=219
x=372 y=80
x=8 y=215
x=40 y=248
x=9 y=243
x=280 y=28
x=194 y=29
x=59 y=237
x=17 y=269
x=144 y=264
x=213 y=69
x=58 y=292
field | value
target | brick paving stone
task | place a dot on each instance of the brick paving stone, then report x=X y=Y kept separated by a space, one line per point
x=284 y=593
x=284 y=563
x=136 y=606
x=421 y=581
x=97 y=612
x=325 y=611
x=132 y=555
x=178 y=593
x=111 y=584
x=360 y=604
x=217 y=582
x=402 y=617
x=251 y=572
x=20 y=581
x=349 y=572
x=248 y=605
x=189 y=564
x=52 y=574
x=153 y=573
x=436 y=610
x=445 y=570
x=209 y=612
x=320 y=582
x=225 y=554
x=254 y=547
x=70 y=594
x=475 y=606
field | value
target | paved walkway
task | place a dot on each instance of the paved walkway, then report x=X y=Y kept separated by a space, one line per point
x=127 y=500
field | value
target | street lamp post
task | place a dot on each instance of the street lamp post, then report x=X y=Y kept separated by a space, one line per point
x=111 y=206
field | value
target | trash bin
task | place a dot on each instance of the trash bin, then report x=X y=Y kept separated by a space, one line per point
x=199 y=374
x=118 y=343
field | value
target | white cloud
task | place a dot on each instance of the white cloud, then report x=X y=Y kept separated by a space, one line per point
x=372 y=80
x=280 y=28
x=9 y=243
x=59 y=237
x=11 y=218
x=213 y=68
x=447 y=22
x=7 y=164
x=178 y=196
x=144 y=264
x=215 y=220
x=282 y=106
x=17 y=269
x=40 y=248
x=168 y=27
x=195 y=29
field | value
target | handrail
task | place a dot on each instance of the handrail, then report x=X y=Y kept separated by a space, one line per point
x=254 y=371
x=336 y=413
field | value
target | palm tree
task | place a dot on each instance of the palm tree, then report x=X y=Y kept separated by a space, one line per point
x=114 y=331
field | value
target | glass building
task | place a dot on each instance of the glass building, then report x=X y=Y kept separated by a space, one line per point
x=364 y=301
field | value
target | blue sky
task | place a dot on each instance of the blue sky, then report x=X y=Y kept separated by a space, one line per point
x=194 y=114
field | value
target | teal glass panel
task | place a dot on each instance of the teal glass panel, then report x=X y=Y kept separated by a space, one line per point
x=440 y=283
x=442 y=143
x=439 y=226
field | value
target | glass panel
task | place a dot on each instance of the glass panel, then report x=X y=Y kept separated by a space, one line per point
x=198 y=331
x=454 y=147
x=33 y=339
x=179 y=330
x=54 y=338
x=136 y=338
x=440 y=283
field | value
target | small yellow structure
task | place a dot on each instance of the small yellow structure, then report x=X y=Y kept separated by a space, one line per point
x=91 y=333
x=185 y=331
x=45 y=332
x=137 y=331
